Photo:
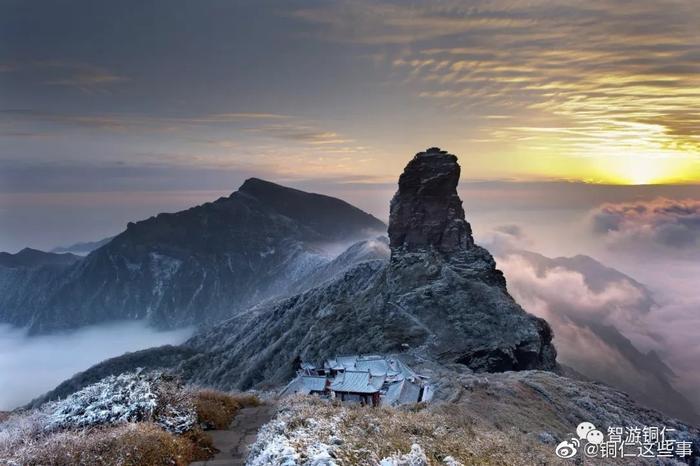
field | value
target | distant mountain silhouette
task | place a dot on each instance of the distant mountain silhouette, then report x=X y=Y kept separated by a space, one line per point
x=191 y=267
x=84 y=247
x=28 y=258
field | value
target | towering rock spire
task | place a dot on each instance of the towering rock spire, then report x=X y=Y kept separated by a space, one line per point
x=426 y=212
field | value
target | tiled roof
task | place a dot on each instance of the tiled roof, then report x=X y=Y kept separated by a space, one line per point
x=364 y=374
x=374 y=366
x=401 y=392
x=392 y=394
x=305 y=384
x=377 y=381
x=332 y=364
x=348 y=362
x=314 y=383
x=353 y=382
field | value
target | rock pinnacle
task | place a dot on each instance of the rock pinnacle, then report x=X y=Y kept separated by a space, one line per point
x=426 y=212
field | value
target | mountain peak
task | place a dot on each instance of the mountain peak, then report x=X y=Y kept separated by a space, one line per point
x=269 y=192
x=328 y=215
x=198 y=265
x=426 y=211
x=254 y=184
x=27 y=251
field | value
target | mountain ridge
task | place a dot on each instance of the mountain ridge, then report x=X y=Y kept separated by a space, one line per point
x=195 y=266
x=29 y=257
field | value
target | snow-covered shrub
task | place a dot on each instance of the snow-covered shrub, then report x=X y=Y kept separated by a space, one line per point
x=130 y=419
x=175 y=409
x=113 y=400
x=416 y=457
x=128 y=397
x=450 y=461
x=272 y=447
x=144 y=419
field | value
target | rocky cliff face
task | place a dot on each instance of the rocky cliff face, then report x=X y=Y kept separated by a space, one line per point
x=191 y=267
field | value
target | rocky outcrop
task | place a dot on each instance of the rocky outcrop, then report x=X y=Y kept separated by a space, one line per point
x=197 y=266
x=444 y=279
x=426 y=212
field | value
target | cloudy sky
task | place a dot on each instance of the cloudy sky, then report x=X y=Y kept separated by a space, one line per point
x=113 y=111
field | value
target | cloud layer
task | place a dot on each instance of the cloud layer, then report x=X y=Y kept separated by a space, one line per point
x=30 y=366
x=607 y=328
x=667 y=223
x=596 y=79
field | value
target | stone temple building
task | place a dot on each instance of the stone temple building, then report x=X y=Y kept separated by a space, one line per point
x=365 y=379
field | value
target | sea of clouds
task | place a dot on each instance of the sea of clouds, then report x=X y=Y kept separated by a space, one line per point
x=33 y=365
x=605 y=322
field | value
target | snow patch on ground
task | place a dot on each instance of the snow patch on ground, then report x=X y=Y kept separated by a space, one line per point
x=416 y=457
x=281 y=443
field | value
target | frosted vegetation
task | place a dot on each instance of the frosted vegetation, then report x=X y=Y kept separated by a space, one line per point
x=129 y=397
x=134 y=418
x=309 y=431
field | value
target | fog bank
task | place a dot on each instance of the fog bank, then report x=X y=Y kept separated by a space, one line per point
x=30 y=366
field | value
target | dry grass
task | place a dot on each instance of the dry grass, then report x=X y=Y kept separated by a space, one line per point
x=202 y=444
x=440 y=431
x=369 y=434
x=132 y=444
x=247 y=400
x=216 y=410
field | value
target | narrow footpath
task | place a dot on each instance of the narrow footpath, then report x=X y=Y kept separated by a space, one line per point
x=234 y=442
